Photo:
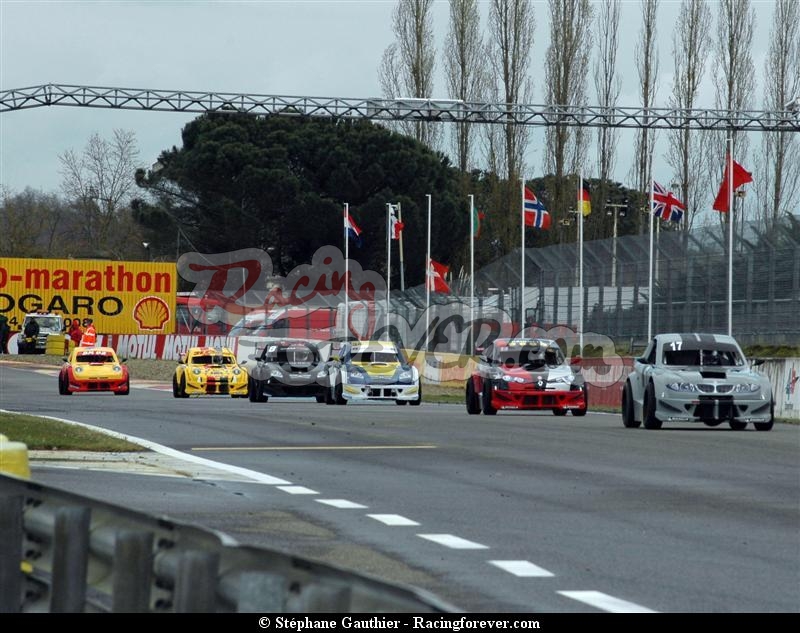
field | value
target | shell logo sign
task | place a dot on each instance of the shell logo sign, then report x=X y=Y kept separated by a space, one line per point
x=120 y=297
x=151 y=313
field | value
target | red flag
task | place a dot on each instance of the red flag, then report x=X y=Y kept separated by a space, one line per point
x=740 y=177
x=436 y=273
x=396 y=226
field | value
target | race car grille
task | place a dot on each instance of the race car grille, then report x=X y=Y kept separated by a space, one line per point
x=382 y=393
x=718 y=408
x=715 y=388
x=99 y=386
x=217 y=386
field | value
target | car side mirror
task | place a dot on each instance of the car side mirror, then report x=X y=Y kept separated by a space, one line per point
x=575 y=360
x=335 y=357
x=642 y=360
x=123 y=360
x=757 y=362
x=65 y=359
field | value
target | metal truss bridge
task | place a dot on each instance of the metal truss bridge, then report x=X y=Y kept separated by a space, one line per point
x=403 y=109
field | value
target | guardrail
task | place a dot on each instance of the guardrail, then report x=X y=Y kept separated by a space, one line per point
x=61 y=552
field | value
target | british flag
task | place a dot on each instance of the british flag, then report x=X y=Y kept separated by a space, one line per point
x=665 y=205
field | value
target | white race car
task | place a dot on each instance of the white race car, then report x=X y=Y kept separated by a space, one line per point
x=696 y=378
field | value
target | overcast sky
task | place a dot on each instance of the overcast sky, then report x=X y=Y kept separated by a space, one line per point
x=328 y=48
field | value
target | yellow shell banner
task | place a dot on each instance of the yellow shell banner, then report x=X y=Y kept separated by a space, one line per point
x=120 y=297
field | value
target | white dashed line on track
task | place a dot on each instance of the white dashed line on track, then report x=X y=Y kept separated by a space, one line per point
x=344 y=504
x=297 y=490
x=605 y=602
x=392 y=519
x=453 y=542
x=522 y=568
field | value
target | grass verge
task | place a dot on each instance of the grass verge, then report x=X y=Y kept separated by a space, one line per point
x=43 y=434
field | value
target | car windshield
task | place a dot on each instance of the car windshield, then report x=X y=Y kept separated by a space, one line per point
x=212 y=359
x=294 y=355
x=50 y=323
x=529 y=357
x=375 y=357
x=701 y=357
x=94 y=358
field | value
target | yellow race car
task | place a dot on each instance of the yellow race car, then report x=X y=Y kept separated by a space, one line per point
x=93 y=369
x=209 y=371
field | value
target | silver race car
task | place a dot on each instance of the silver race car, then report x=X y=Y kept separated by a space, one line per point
x=696 y=378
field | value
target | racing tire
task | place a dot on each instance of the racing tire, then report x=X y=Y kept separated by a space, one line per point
x=319 y=399
x=628 y=419
x=737 y=425
x=401 y=402
x=418 y=401
x=182 y=388
x=486 y=400
x=126 y=391
x=767 y=426
x=329 y=398
x=473 y=401
x=63 y=387
x=176 y=391
x=337 y=394
x=582 y=412
x=712 y=422
x=255 y=393
x=559 y=413
x=649 y=418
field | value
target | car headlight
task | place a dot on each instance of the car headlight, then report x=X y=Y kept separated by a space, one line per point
x=78 y=370
x=322 y=374
x=685 y=387
x=237 y=371
x=275 y=373
x=746 y=388
x=561 y=380
x=495 y=374
x=406 y=376
x=196 y=372
x=508 y=378
x=116 y=368
x=355 y=376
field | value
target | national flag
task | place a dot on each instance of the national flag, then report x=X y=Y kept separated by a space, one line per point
x=535 y=213
x=477 y=223
x=584 y=202
x=740 y=177
x=665 y=205
x=395 y=226
x=352 y=229
x=435 y=281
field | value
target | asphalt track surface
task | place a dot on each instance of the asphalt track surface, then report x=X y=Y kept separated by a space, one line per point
x=516 y=513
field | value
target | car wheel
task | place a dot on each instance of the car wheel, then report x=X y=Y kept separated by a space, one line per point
x=60 y=384
x=418 y=401
x=712 y=422
x=319 y=399
x=337 y=394
x=125 y=391
x=737 y=425
x=559 y=412
x=182 y=387
x=176 y=391
x=649 y=409
x=401 y=402
x=628 y=419
x=66 y=391
x=582 y=412
x=473 y=402
x=486 y=400
x=329 y=397
x=767 y=426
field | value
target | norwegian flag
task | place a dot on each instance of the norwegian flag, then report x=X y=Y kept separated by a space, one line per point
x=535 y=213
x=665 y=205
x=396 y=225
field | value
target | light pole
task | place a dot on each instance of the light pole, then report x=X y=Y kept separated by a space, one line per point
x=147 y=250
x=616 y=209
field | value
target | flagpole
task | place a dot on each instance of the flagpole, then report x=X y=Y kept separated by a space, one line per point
x=522 y=268
x=402 y=269
x=580 y=265
x=388 y=261
x=471 y=274
x=650 y=272
x=346 y=270
x=428 y=278
x=730 y=236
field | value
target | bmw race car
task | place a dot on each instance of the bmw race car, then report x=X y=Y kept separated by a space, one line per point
x=372 y=370
x=288 y=368
x=526 y=373
x=93 y=369
x=696 y=378
x=209 y=371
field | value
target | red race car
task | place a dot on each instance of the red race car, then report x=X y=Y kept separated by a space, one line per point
x=93 y=369
x=529 y=374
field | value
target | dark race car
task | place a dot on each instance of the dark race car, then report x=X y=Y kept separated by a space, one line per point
x=288 y=368
x=525 y=374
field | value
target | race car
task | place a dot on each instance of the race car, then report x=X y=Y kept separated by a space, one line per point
x=372 y=370
x=93 y=369
x=525 y=373
x=288 y=367
x=209 y=371
x=696 y=378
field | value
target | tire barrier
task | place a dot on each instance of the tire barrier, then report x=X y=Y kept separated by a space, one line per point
x=14 y=458
x=79 y=555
